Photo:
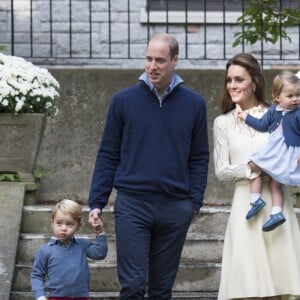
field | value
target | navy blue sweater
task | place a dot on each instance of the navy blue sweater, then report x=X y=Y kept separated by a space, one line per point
x=149 y=150
x=271 y=120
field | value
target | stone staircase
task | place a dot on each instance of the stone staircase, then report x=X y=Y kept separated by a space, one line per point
x=197 y=278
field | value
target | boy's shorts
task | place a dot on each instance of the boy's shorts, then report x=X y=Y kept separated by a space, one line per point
x=66 y=298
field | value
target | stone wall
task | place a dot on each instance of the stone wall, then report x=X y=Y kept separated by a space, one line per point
x=71 y=139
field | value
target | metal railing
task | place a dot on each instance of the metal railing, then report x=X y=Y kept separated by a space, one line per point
x=95 y=32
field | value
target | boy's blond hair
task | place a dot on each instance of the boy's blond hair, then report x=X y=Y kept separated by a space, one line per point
x=68 y=206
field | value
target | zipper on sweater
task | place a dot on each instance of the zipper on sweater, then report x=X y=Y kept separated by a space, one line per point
x=160 y=98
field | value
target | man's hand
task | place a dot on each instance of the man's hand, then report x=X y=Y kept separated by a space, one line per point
x=95 y=220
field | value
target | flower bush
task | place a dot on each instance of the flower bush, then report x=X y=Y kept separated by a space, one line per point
x=26 y=88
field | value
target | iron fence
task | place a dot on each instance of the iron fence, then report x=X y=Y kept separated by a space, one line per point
x=100 y=31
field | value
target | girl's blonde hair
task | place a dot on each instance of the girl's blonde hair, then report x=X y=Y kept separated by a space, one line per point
x=281 y=79
x=68 y=206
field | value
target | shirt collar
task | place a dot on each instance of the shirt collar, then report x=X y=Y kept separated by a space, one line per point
x=176 y=80
x=53 y=240
x=284 y=111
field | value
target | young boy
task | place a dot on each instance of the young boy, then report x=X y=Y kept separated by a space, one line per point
x=61 y=265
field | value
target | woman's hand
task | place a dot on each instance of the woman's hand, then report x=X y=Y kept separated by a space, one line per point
x=254 y=167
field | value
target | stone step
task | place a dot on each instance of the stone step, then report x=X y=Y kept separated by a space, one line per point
x=196 y=249
x=195 y=277
x=114 y=295
x=37 y=219
x=199 y=272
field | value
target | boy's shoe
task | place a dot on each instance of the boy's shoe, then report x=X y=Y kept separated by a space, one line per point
x=274 y=221
x=256 y=207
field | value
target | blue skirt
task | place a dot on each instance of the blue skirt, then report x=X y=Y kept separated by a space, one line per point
x=279 y=160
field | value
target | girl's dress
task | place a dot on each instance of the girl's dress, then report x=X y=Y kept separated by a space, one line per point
x=254 y=263
x=279 y=160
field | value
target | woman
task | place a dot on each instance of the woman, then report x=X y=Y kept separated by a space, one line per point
x=255 y=264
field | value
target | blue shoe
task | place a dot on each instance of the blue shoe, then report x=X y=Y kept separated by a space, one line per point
x=256 y=207
x=274 y=221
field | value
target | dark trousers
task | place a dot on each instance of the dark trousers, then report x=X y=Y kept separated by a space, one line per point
x=150 y=236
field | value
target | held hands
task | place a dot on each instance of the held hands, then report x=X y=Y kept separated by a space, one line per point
x=298 y=159
x=95 y=220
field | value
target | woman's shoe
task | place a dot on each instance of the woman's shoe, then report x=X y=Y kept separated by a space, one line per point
x=256 y=207
x=274 y=221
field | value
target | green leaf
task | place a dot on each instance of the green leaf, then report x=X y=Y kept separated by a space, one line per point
x=9 y=177
x=40 y=172
x=265 y=20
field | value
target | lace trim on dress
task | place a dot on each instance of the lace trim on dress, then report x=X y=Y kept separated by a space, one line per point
x=224 y=169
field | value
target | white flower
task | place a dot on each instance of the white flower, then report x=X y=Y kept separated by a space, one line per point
x=19 y=105
x=26 y=88
x=4 y=102
x=48 y=105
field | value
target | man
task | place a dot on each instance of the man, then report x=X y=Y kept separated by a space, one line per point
x=154 y=151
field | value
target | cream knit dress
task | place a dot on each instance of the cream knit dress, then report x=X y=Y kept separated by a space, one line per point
x=254 y=263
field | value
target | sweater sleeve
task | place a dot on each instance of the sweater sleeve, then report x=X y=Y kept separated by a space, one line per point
x=97 y=250
x=39 y=272
x=107 y=160
x=224 y=169
x=261 y=124
x=199 y=158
